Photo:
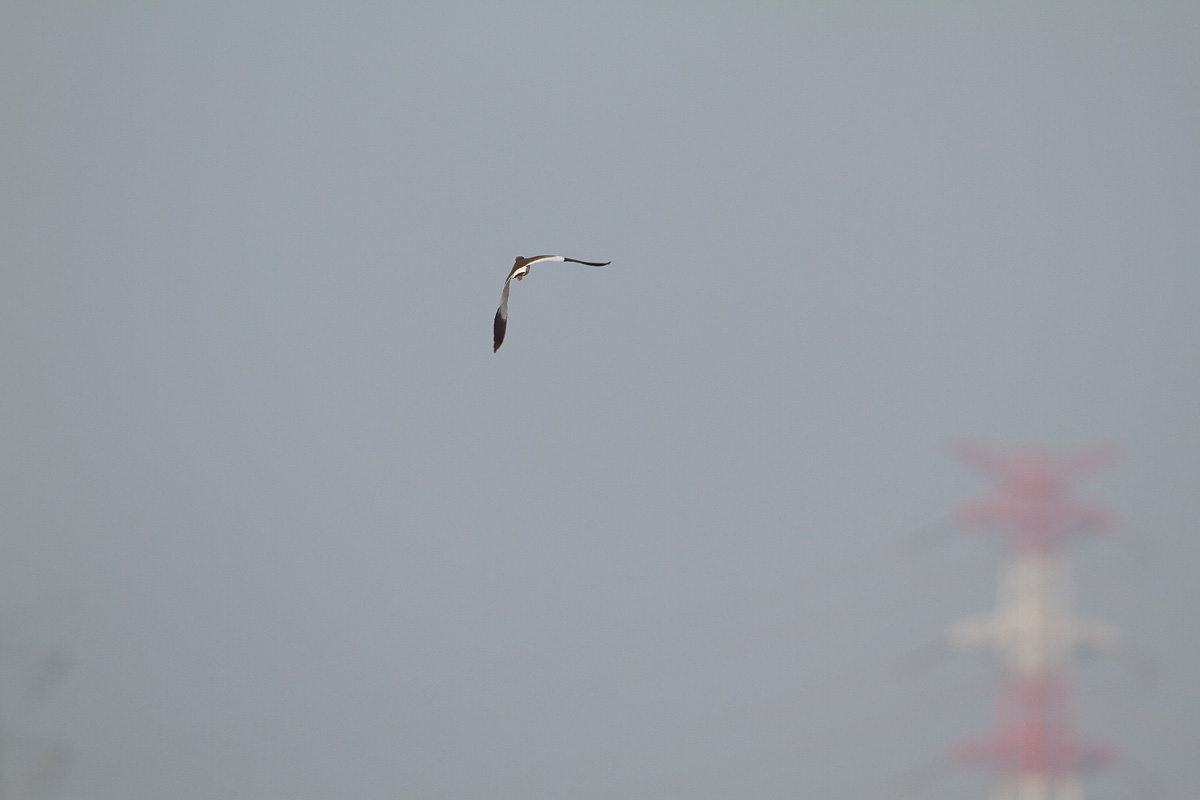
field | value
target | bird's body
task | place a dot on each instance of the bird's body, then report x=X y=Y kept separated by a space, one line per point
x=519 y=270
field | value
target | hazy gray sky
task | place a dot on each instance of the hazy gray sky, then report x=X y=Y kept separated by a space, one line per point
x=303 y=535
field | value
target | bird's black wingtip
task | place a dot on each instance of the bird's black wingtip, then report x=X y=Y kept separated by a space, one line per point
x=589 y=263
x=498 y=327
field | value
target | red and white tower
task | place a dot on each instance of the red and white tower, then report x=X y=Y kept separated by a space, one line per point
x=1033 y=751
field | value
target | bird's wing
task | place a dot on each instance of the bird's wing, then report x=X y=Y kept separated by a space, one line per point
x=536 y=259
x=501 y=321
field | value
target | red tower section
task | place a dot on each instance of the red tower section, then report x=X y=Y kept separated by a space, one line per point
x=1033 y=507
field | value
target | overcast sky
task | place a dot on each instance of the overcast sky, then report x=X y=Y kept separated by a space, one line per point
x=300 y=534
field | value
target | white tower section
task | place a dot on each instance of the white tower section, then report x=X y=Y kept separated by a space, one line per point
x=1034 y=630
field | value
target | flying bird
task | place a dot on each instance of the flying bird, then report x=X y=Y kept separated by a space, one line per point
x=519 y=271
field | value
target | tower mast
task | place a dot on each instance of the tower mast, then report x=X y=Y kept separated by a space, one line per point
x=1033 y=751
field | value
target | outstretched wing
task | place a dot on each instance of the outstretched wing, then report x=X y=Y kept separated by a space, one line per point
x=524 y=262
x=501 y=322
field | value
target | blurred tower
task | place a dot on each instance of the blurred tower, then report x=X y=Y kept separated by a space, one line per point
x=1033 y=751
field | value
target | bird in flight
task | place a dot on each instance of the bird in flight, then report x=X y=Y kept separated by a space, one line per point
x=519 y=271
